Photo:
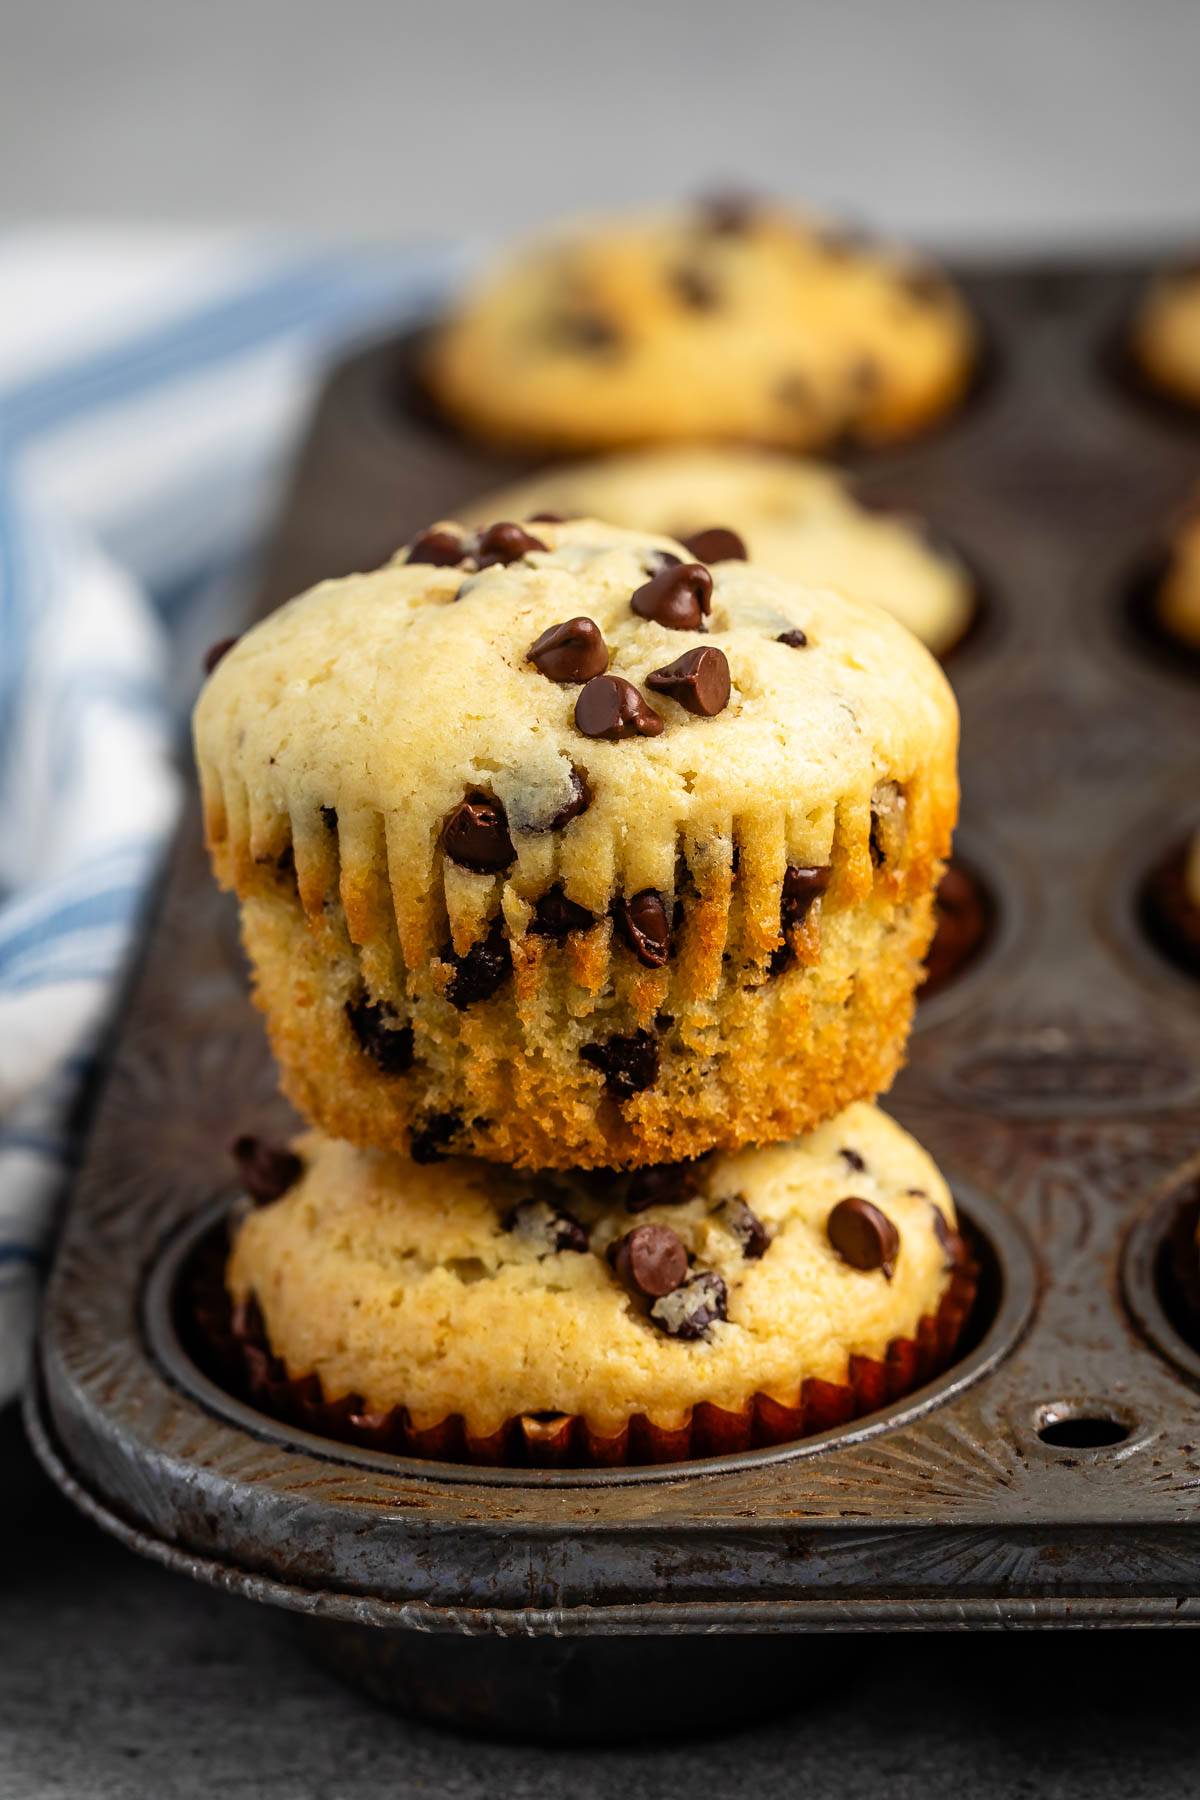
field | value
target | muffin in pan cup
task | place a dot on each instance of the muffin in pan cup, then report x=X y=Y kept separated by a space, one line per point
x=470 y=1311
x=1177 y=602
x=793 y=517
x=724 y=321
x=1165 y=333
x=558 y=847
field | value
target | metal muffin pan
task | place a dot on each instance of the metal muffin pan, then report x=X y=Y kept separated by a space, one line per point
x=1051 y=1477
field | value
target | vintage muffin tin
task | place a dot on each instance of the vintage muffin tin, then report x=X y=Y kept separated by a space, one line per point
x=1051 y=1477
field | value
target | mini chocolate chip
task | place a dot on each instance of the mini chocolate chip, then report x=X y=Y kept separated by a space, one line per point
x=476 y=835
x=853 y=1160
x=953 y=1244
x=628 y=1064
x=581 y=799
x=545 y=1228
x=695 y=287
x=698 y=681
x=690 y=1310
x=652 y=1260
x=727 y=215
x=666 y=1184
x=571 y=652
x=265 y=1170
x=429 y=1144
x=444 y=549
x=646 y=926
x=717 y=544
x=555 y=916
x=611 y=707
x=389 y=1046
x=801 y=886
x=587 y=333
x=795 y=639
x=744 y=1224
x=679 y=597
x=863 y=1236
x=484 y=969
x=329 y=818
x=505 y=543
x=215 y=652
x=780 y=960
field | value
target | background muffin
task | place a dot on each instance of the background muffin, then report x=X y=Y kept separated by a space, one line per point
x=589 y=856
x=1166 y=333
x=1178 y=600
x=795 y=518
x=729 y=320
x=471 y=1292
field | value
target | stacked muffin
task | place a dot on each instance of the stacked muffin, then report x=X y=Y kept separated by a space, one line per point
x=586 y=884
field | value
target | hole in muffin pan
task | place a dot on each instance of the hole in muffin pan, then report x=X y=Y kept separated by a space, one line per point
x=1160 y=1273
x=967 y=915
x=1065 y=1427
x=1140 y=627
x=190 y=1264
x=1165 y=915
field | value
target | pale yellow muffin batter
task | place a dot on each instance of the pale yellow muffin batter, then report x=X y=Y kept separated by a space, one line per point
x=476 y=925
x=797 y=519
x=460 y=1289
x=753 y=323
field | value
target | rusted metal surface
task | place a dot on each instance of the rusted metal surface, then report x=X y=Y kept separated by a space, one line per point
x=1058 y=1084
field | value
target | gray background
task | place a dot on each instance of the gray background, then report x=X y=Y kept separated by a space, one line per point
x=1039 y=121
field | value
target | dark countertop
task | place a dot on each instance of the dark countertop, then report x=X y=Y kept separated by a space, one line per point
x=118 y=1680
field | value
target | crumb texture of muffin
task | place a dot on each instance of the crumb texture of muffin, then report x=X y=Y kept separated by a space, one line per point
x=555 y=847
x=1166 y=333
x=471 y=1290
x=796 y=519
x=717 y=321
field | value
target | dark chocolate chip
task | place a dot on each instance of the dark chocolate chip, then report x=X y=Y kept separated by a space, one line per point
x=853 y=1160
x=657 y=560
x=443 y=549
x=727 y=215
x=329 y=818
x=863 y=1236
x=555 y=916
x=430 y=1143
x=611 y=707
x=667 y=1184
x=628 y=1064
x=581 y=799
x=571 y=652
x=695 y=287
x=586 y=333
x=215 y=652
x=689 y=1311
x=651 y=1259
x=476 y=835
x=504 y=542
x=266 y=1171
x=801 y=886
x=875 y=842
x=745 y=1225
x=389 y=1046
x=545 y=1228
x=717 y=544
x=780 y=960
x=679 y=597
x=645 y=925
x=953 y=1244
x=795 y=639
x=698 y=681
x=483 y=971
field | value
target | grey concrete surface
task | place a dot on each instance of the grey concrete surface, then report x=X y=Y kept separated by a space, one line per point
x=121 y=1682
x=957 y=121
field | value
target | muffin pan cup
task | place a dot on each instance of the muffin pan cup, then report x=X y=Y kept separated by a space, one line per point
x=1050 y=1476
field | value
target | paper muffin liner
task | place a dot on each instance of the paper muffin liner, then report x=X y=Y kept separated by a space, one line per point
x=234 y=1342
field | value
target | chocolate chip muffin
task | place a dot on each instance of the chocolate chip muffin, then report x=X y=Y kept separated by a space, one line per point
x=558 y=846
x=1166 y=333
x=795 y=518
x=1178 y=598
x=733 y=321
x=709 y=1304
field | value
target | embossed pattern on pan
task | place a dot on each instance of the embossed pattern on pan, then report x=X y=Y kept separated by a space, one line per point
x=1062 y=1089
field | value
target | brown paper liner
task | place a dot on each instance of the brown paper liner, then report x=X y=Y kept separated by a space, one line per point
x=233 y=1345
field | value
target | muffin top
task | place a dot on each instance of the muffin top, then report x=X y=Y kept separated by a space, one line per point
x=469 y=1288
x=581 y=708
x=733 y=320
x=795 y=518
x=1166 y=332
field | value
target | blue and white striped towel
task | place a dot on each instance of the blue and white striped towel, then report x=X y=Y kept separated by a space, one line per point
x=151 y=384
